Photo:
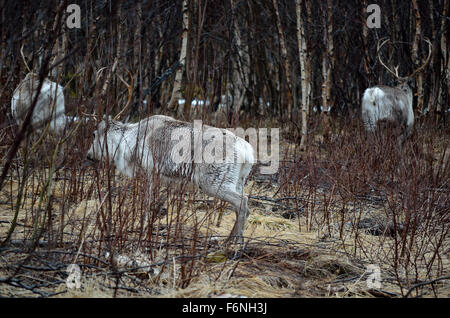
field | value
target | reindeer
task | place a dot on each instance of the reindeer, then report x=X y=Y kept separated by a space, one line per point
x=150 y=147
x=50 y=100
x=49 y=105
x=391 y=104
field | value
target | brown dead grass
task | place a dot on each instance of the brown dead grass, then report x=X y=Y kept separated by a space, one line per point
x=282 y=257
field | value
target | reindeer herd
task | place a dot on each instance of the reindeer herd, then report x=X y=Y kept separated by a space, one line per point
x=147 y=147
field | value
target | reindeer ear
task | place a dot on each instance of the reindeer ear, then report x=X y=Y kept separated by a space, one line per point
x=107 y=118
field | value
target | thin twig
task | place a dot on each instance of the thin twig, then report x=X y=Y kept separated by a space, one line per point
x=425 y=283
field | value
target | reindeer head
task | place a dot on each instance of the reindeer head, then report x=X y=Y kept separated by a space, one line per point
x=108 y=133
x=108 y=130
x=406 y=88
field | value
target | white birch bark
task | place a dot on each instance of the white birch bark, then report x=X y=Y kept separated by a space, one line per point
x=327 y=66
x=304 y=71
x=176 y=90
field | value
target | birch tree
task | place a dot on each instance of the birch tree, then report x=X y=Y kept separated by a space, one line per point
x=118 y=52
x=240 y=65
x=176 y=90
x=137 y=51
x=415 y=55
x=192 y=75
x=60 y=47
x=327 y=65
x=305 y=71
x=87 y=70
x=365 y=34
x=157 y=61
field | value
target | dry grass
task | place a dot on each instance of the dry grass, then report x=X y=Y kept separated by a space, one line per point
x=308 y=235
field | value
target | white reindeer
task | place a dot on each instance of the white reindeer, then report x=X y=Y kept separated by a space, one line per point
x=391 y=104
x=49 y=105
x=150 y=146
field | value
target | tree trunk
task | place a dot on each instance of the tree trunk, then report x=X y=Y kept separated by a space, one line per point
x=415 y=56
x=163 y=96
x=285 y=58
x=327 y=65
x=435 y=66
x=87 y=69
x=192 y=76
x=176 y=90
x=137 y=57
x=365 y=34
x=118 y=52
x=59 y=50
x=240 y=66
x=304 y=69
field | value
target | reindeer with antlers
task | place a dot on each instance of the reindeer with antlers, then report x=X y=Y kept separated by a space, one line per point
x=391 y=104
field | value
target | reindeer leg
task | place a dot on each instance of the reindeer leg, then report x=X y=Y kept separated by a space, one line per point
x=237 y=233
x=240 y=204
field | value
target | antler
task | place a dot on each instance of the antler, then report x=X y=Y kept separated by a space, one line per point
x=93 y=116
x=385 y=40
x=98 y=73
x=130 y=94
x=430 y=50
x=23 y=58
x=381 y=61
